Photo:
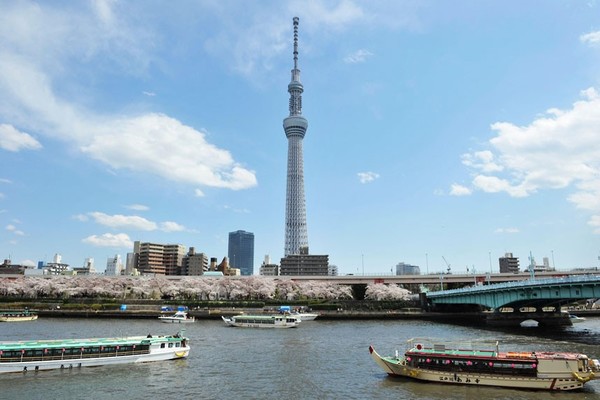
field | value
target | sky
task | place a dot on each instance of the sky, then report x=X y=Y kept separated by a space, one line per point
x=439 y=133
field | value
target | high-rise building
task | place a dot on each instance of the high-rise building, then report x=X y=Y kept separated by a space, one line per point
x=509 y=264
x=194 y=263
x=403 y=268
x=114 y=265
x=160 y=259
x=241 y=251
x=305 y=264
x=295 y=125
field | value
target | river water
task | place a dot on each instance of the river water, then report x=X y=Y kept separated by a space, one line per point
x=317 y=360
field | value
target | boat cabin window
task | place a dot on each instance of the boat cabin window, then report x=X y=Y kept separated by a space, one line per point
x=162 y=345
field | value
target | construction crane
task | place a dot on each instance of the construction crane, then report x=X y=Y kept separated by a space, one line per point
x=448 y=269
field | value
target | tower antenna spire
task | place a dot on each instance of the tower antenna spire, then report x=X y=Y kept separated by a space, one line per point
x=296 y=21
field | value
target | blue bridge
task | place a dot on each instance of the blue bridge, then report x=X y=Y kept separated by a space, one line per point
x=514 y=302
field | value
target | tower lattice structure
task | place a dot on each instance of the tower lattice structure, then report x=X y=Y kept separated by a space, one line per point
x=295 y=125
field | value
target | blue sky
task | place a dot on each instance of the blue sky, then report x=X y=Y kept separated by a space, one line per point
x=461 y=129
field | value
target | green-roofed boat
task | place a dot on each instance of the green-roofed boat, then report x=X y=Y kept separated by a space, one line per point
x=17 y=316
x=485 y=365
x=37 y=355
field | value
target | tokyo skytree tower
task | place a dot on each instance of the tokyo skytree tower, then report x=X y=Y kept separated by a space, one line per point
x=296 y=236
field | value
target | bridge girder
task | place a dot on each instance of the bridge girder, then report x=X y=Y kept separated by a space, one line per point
x=537 y=293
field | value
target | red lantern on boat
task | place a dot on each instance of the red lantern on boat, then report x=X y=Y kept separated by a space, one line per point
x=419 y=346
x=491 y=364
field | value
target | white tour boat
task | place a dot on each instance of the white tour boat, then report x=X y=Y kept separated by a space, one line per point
x=37 y=355
x=17 y=316
x=263 y=321
x=180 y=317
x=486 y=366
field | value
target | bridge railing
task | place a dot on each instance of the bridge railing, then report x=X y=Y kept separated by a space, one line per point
x=512 y=285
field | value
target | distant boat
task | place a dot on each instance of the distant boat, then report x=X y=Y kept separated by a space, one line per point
x=459 y=363
x=180 y=317
x=305 y=316
x=37 y=355
x=17 y=316
x=575 y=319
x=263 y=321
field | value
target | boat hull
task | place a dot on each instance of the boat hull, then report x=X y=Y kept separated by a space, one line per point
x=177 y=321
x=18 y=319
x=396 y=367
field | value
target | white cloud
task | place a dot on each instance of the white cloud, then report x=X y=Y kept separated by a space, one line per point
x=149 y=94
x=138 y=207
x=130 y=222
x=4 y=180
x=555 y=151
x=118 y=221
x=170 y=226
x=507 y=230
x=198 y=193
x=482 y=160
x=594 y=222
x=81 y=217
x=358 y=56
x=13 y=140
x=109 y=240
x=165 y=147
x=592 y=38
x=34 y=60
x=14 y=230
x=366 y=177
x=459 y=190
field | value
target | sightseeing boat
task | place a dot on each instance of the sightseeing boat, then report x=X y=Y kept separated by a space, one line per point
x=486 y=365
x=263 y=321
x=180 y=317
x=36 y=355
x=17 y=316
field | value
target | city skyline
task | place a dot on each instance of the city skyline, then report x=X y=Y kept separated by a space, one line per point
x=439 y=131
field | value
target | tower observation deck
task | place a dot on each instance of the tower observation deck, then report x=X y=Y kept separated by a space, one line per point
x=295 y=125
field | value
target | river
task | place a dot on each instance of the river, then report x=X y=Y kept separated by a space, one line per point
x=318 y=360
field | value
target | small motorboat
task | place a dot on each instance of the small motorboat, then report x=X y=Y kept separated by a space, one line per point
x=180 y=317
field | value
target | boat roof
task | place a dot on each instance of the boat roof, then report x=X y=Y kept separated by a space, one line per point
x=245 y=316
x=117 y=341
x=478 y=348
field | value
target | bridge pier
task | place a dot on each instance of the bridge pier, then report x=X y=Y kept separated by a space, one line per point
x=549 y=319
